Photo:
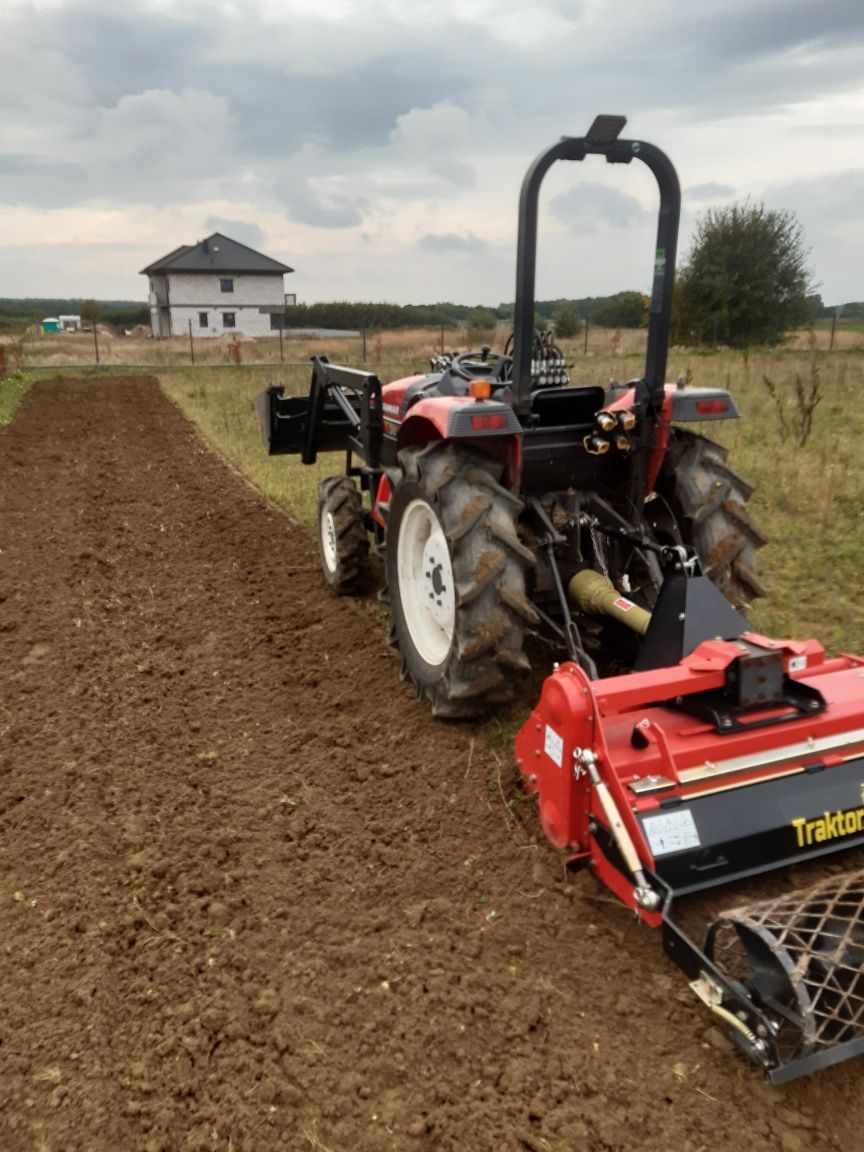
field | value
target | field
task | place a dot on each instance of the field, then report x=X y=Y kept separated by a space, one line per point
x=252 y=896
x=32 y=350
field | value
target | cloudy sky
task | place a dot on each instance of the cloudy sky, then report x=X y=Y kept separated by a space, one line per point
x=377 y=146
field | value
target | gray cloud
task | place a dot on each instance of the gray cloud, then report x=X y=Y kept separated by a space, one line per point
x=243 y=230
x=357 y=121
x=709 y=191
x=587 y=202
x=451 y=242
x=39 y=181
x=829 y=210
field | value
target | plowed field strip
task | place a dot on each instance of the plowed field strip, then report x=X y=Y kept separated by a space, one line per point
x=251 y=895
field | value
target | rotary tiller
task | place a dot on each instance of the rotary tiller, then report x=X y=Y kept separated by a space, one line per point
x=747 y=755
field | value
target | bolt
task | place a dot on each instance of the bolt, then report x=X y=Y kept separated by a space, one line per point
x=682 y=615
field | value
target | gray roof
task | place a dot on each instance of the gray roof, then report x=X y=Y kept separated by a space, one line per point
x=217 y=253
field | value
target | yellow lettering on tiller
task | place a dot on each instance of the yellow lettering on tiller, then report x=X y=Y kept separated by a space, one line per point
x=828 y=826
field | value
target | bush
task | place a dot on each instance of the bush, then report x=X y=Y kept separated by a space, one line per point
x=745 y=279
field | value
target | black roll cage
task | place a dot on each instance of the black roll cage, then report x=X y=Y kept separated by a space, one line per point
x=600 y=142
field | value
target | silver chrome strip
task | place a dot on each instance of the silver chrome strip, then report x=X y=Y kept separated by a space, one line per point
x=804 y=749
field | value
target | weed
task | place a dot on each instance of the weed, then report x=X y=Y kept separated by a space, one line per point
x=795 y=421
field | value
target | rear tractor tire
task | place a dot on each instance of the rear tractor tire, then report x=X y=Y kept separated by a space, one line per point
x=456 y=580
x=709 y=501
x=342 y=541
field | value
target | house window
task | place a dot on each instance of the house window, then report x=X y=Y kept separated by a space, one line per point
x=202 y=319
x=228 y=320
x=226 y=285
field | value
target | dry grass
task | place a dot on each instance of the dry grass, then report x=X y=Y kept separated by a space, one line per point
x=415 y=344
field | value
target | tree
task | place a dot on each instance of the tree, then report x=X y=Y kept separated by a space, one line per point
x=567 y=321
x=623 y=310
x=745 y=278
x=481 y=325
x=89 y=312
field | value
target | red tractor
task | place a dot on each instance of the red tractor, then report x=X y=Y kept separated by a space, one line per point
x=490 y=483
x=672 y=748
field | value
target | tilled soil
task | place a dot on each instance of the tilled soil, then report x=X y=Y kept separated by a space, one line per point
x=252 y=896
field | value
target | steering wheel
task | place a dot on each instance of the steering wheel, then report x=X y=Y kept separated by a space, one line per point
x=469 y=365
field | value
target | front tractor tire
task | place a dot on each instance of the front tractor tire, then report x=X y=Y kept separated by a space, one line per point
x=342 y=541
x=709 y=501
x=456 y=580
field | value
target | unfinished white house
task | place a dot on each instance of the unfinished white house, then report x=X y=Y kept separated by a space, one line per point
x=216 y=286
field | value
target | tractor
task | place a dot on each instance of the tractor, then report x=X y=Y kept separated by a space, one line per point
x=672 y=749
x=505 y=503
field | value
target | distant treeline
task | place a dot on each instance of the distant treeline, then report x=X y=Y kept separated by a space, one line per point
x=33 y=310
x=851 y=311
x=623 y=310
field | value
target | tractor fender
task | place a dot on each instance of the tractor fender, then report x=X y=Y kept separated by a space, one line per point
x=489 y=426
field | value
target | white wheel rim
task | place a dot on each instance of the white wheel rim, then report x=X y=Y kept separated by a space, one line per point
x=328 y=541
x=426 y=586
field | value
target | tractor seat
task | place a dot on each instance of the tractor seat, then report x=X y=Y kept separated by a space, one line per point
x=564 y=407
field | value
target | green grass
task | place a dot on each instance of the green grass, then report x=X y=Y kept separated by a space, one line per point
x=12 y=390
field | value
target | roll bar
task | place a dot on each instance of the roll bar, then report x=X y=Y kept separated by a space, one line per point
x=601 y=140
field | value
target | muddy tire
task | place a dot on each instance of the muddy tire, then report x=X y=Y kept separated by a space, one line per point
x=456 y=580
x=709 y=502
x=342 y=541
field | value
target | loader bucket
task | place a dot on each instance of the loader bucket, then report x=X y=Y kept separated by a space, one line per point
x=800 y=959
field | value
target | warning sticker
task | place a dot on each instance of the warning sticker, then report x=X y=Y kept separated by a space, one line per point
x=671 y=832
x=623 y=604
x=553 y=746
